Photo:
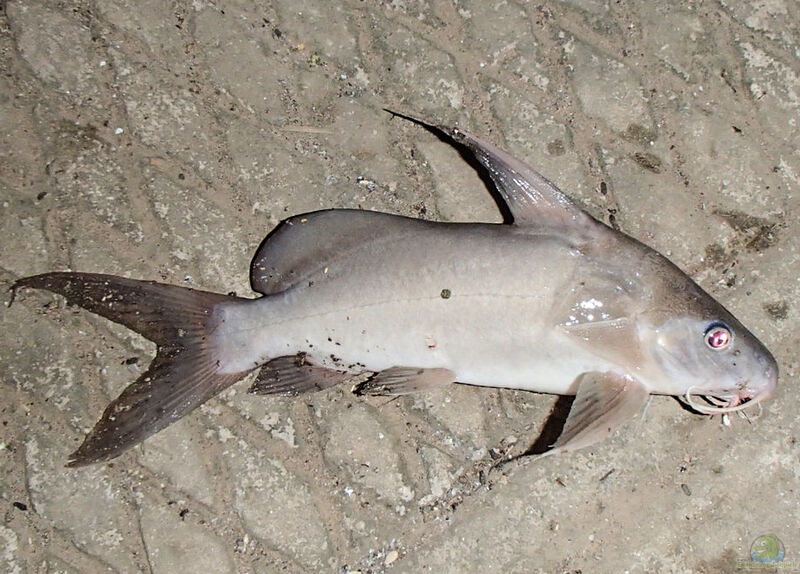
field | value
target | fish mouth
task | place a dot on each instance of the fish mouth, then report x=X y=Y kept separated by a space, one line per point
x=723 y=402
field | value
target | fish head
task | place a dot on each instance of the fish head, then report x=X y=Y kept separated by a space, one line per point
x=706 y=353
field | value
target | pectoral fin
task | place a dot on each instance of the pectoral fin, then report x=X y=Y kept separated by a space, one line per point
x=405 y=380
x=604 y=402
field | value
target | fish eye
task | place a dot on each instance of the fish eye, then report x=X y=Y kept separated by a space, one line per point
x=718 y=336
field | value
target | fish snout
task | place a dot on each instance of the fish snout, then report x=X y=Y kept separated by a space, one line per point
x=769 y=378
x=762 y=388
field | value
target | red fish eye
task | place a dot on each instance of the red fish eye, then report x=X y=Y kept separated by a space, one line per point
x=718 y=337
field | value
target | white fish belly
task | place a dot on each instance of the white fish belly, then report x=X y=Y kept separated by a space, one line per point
x=488 y=339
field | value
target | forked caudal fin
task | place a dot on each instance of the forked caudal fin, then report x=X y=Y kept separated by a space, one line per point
x=181 y=377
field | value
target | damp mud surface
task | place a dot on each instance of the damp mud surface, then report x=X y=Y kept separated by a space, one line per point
x=164 y=140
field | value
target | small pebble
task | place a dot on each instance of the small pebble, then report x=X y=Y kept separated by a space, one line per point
x=391 y=557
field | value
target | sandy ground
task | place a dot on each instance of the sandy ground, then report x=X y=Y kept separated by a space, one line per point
x=163 y=140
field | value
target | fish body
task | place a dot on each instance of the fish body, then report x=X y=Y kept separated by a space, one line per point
x=555 y=302
x=424 y=294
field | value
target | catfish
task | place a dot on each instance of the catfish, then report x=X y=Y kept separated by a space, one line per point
x=551 y=301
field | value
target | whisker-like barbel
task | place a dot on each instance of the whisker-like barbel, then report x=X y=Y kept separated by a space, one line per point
x=719 y=407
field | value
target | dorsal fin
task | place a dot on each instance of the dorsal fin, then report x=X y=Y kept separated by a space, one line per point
x=531 y=197
x=304 y=246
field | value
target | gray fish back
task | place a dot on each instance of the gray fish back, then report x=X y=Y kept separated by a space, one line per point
x=306 y=244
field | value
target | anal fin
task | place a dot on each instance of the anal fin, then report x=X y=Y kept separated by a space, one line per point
x=405 y=380
x=604 y=401
x=294 y=375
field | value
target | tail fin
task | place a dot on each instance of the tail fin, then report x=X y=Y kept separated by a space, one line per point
x=181 y=377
